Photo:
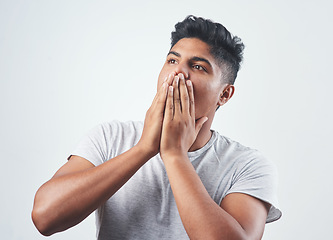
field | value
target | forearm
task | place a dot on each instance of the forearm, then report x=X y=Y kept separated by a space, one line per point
x=66 y=200
x=201 y=216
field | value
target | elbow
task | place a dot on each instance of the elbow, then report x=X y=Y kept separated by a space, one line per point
x=41 y=221
x=41 y=215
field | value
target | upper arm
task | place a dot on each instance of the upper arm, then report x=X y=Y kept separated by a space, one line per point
x=248 y=211
x=74 y=164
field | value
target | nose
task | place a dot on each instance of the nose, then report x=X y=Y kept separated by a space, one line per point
x=182 y=68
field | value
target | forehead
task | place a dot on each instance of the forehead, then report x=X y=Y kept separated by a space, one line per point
x=192 y=46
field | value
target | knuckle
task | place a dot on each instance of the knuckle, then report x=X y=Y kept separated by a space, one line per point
x=160 y=101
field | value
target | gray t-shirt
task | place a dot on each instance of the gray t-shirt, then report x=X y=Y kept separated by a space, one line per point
x=144 y=208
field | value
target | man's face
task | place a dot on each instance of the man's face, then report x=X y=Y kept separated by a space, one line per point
x=191 y=57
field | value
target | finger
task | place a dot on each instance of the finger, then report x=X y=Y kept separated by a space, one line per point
x=161 y=91
x=169 y=110
x=162 y=94
x=169 y=78
x=199 y=123
x=176 y=97
x=184 y=97
x=191 y=98
x=158 y=104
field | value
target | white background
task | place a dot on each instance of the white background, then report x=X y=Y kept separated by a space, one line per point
x=66 y=66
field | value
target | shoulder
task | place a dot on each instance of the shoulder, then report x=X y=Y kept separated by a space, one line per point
x=241 y=155
x=116 y=125
x=251 y=173
x=116 y=129
x=107 y=140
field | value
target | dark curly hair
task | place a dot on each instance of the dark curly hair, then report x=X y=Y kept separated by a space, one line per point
x=225 y=48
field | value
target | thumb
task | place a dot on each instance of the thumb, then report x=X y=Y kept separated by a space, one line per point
x=199 y=123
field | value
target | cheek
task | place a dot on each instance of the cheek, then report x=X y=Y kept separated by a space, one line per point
x=206 y=95
x=161 y=77
x=201 y=91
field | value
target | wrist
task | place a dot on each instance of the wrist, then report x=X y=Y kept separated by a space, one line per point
x=173 y=155
x=144 y=149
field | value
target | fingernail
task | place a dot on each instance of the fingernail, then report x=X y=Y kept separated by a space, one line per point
x=189 y=83
x=181 y=76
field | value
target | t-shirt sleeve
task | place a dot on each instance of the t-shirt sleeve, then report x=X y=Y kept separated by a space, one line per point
x=258 y=178
x=94 y=146
x=108 y=140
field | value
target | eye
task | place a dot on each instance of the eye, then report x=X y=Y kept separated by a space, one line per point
x=199 y=67
x=171 y=61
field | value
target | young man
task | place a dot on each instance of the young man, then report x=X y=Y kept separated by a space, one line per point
x=171 y=177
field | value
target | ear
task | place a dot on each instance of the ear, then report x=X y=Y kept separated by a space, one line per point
x=226 y=94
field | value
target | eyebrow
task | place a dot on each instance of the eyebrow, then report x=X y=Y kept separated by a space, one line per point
x=200 y=59
x=174 y=53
